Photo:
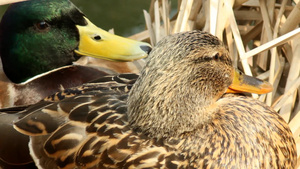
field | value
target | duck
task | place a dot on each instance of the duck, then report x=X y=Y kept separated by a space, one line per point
x=41 y=42
x=184 y=110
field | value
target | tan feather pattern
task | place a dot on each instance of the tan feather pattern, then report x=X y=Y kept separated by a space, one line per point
x=100 y=137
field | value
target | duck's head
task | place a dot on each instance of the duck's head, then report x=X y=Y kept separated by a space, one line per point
x=40 y=35
x=179 y=88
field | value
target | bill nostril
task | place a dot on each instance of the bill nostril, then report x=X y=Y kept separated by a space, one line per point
x=97 y=37
x=145 y=48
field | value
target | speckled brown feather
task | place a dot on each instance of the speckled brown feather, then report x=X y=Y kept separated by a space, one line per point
x=176 y=115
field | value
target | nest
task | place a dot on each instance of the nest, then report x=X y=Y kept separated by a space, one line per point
x=261 y=37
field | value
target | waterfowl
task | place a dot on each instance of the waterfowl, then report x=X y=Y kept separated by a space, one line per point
x=179 y=113
x=40 y=40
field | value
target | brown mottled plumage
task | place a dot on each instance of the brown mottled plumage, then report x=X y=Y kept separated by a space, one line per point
x=175 y=116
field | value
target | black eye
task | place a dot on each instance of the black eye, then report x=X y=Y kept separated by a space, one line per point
x=217 y=56
x=97 y=37
x=42 y=26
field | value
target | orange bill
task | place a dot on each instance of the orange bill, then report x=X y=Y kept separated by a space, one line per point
x=244 y=83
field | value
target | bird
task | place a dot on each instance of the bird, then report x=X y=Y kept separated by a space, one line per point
x=41 y=39
x=184 y=110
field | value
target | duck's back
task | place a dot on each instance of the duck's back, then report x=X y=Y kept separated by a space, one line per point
x=89 y=128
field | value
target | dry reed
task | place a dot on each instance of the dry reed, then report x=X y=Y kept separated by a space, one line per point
x=262 y=37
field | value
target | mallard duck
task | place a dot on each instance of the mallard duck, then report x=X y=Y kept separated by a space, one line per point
x=179 y=113
x=39 y=41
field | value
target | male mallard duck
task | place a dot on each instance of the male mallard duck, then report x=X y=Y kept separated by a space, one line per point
x=39 y=40
x=177 y=115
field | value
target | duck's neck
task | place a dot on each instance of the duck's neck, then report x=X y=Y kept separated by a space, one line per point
x=162 y=109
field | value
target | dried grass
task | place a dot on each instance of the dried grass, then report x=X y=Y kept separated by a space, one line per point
x=262 y=37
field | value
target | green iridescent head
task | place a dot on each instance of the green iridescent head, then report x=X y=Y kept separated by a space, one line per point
x=40 y=35
x=37 y=36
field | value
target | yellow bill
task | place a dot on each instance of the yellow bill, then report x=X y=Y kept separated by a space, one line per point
x=98 y=43
x=243 y=83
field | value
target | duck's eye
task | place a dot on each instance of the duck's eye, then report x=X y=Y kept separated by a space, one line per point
x=42 y=26
x=217 y=56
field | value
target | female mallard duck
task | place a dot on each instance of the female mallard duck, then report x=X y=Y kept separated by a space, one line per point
x=176 y=115
x=39 y=40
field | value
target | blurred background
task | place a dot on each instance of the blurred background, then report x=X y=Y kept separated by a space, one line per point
x=126 y=17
